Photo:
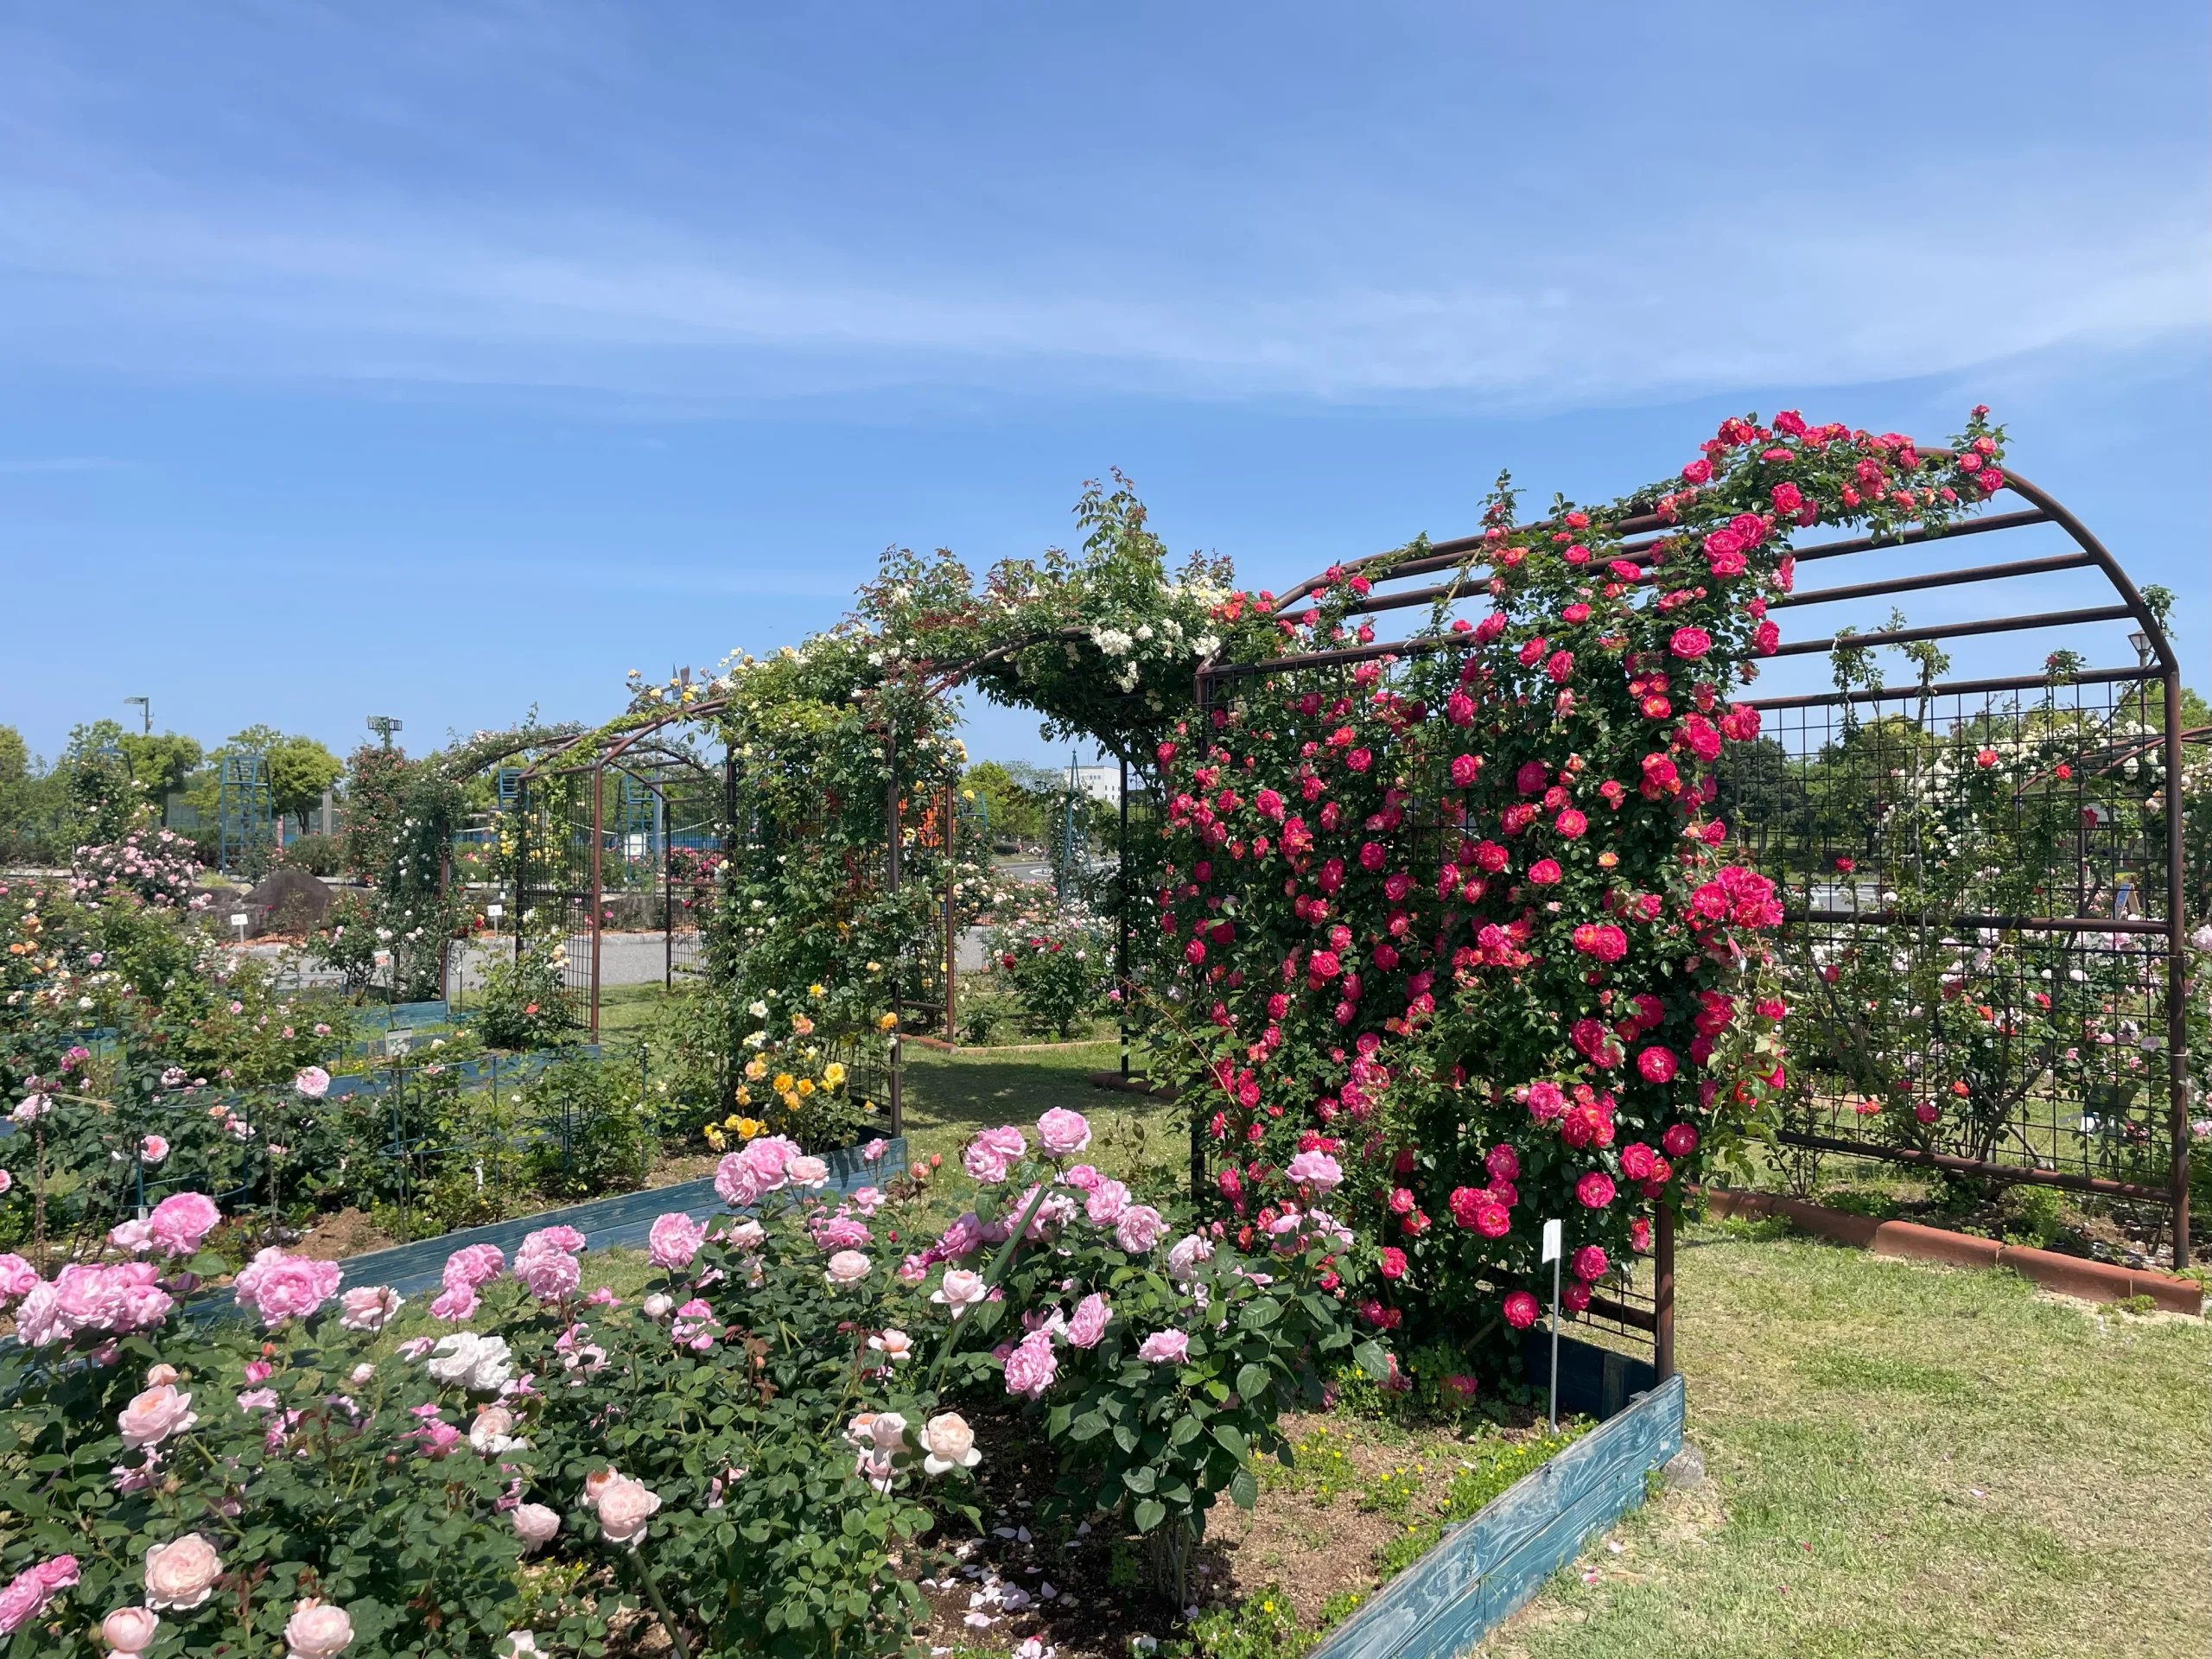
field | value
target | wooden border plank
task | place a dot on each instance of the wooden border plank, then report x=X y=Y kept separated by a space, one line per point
x=1487 y=1567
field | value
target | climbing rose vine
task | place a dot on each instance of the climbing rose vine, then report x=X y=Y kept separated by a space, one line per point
x=1463 y=919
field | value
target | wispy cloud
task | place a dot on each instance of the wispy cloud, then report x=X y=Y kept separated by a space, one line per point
x=271 y=287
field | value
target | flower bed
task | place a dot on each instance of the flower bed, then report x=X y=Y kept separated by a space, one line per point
x=755 y=1455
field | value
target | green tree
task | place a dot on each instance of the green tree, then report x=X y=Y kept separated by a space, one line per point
x=161 y=763
x=300 y=769
x=1017 y=813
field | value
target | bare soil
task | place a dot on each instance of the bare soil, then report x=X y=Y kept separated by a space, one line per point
x=1317 y=1531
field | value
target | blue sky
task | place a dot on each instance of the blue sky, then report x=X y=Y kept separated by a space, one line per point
x=440 y=361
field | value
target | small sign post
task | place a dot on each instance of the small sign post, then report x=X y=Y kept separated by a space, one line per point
x=1553 y=1249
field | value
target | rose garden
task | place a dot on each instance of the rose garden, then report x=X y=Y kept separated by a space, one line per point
x=1541 y=909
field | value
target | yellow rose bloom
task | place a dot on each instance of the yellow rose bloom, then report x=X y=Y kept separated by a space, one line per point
x=886 y=1022
x=834 y=1073
x=756 y=1068
x=783 y=1083
x=806 y=1086
x=715 y=1138
x=744 y=1096
x=816 y=990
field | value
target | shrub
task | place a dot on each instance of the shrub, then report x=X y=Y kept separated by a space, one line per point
x=526 y=1002
x=593 y=1133
x=1061 y=971
x=320 y=856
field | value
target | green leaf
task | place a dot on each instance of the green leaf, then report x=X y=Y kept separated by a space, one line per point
x=1141 y=1478
x=1253 y=1382
x=1261 y=1312
x=1125 y=1437
x=1187 y=1429
x=1089 y=1427
x=1150 y=1513
x=1371 y=1358
x=1232 y=1439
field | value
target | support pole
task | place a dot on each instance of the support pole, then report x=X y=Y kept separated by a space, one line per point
x=892 y=866
x=2176 y=949
x=598 y=836
x=1128 y=902
x=951 y=931
x=1662 y=1293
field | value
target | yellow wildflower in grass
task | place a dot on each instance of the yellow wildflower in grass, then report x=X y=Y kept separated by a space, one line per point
x=834 y=1073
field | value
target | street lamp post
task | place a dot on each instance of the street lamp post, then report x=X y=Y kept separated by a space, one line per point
x=146 y=707
x=384 y=726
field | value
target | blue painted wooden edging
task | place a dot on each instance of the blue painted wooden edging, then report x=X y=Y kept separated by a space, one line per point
x=1486 y=1567
x=624 y=1219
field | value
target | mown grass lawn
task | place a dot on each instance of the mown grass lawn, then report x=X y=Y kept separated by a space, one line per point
x=1907 y=1459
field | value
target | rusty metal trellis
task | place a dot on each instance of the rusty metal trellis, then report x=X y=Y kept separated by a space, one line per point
x=1952 y=708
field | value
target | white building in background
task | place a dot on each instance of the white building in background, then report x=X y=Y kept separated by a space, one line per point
x=1100 y=783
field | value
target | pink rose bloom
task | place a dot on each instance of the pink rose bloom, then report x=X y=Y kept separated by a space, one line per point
x=1107 y=1203
x=1061 y=1132
x=1089 y=1324
x=135 y=1237
x=130 y=1631
x=181 y=1220
x=847 y=1268
x=535 y=1524
x=550 y=1275
x=181 y=1575
x=674 y=1240
x=960 y=1238
x=1595 y=1190
x=1138 y=1229
x=39 y=1321
x=768 y=1155
x=736 y=1181
x=1545 y=873
x=153 y=1416
x=316 y=1630
x=960 y=1291
x=625 y=1506
x=1164 y=1348
x=17 y=1276
x=1657 y=1064
x=151 y=1151
x=313 y=1083
x=554 y=1238
x=1521 y=1310
x=368 y=1307
x=1314 y=1169
x=458 y=1302
x=1589 y=1264
x=991 y=1154
x=1032 y=1366
x=279 y=1287
x=474 y=1265
x=1679 y=1140
x=30 y=1589
x=808 y=1172
x=1083 y=1178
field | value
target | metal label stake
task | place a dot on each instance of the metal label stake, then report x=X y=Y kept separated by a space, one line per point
x=1552 y=1254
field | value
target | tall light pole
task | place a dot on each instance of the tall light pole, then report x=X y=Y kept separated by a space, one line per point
x=146 y=706
x=384 y=726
